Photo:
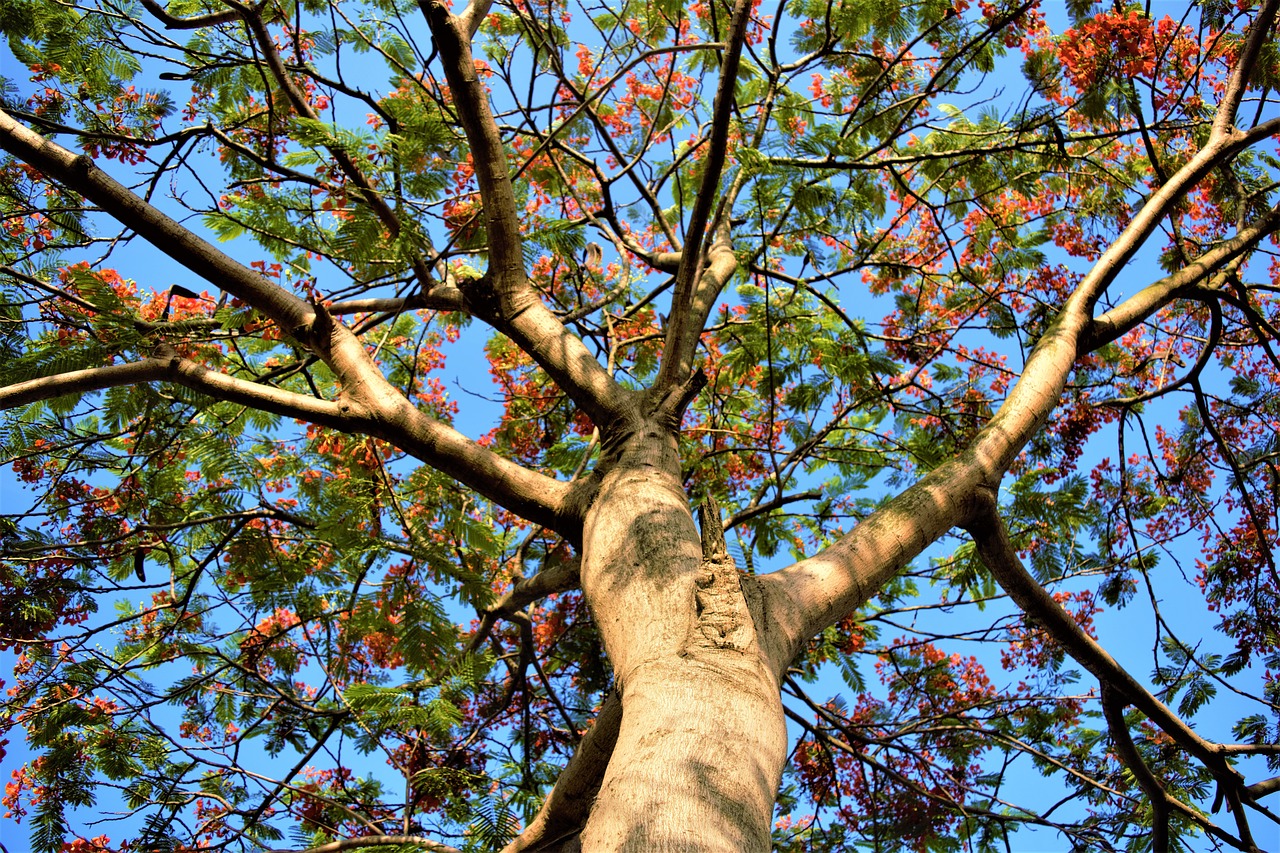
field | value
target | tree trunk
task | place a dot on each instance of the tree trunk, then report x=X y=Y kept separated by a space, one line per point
x=700 y=752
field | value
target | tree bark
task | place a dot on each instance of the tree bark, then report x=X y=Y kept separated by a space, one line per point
x=700 y=751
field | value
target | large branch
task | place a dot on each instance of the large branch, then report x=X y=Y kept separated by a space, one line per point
x=814 y=593
x=80 y=382
x=388 y=415
x=176 y=23
x=504 y=297
x=78 y=173
x=1000 y=556
x=534 y=496
x=684 y=325
x=1116 y=322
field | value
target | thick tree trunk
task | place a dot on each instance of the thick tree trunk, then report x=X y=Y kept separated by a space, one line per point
x=697 y=763
x=700 y=752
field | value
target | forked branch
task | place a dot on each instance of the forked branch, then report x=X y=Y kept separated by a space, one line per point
x=816 y=592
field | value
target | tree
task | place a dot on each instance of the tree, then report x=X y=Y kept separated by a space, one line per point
x=987 y=363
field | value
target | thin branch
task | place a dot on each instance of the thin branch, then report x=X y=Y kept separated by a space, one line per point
x=377 y=841
x=1193 y=375
x=752 y=510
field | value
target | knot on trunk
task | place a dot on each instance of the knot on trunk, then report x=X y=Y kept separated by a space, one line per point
x=724 y=620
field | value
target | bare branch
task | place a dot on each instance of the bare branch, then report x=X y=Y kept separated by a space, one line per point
x=1266 y=786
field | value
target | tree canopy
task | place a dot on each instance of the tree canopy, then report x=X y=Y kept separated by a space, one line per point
x=365 y=362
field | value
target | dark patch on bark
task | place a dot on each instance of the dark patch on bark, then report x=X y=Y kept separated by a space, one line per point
x=480 y=300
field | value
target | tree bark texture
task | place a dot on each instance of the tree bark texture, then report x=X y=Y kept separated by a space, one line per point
x=700 y=751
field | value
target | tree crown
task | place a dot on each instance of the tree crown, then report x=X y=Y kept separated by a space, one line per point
x=948 y=314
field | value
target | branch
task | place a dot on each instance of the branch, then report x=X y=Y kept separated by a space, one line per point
x=439 y=299
x=1221 y=148
x=78 y=173
x=81 y=382
x=752 y=510
x=677 y=354
x=175 y=23
x=298 y=100
x=1266 y=786
x=537 y=497
x=167 y=365
x=671 y=408
x=869 y=163
x=383 y=410
x=999 y=555
x=1192 y=376
x=1001 y=558
x=1115 y=323
x=1259 y=35
x=565 y=810
x=816 y=592
x=503 y=297
x=377 y=841
x=807 y=596
x=1113 y=710
x=558 y=577
x=474 y=15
